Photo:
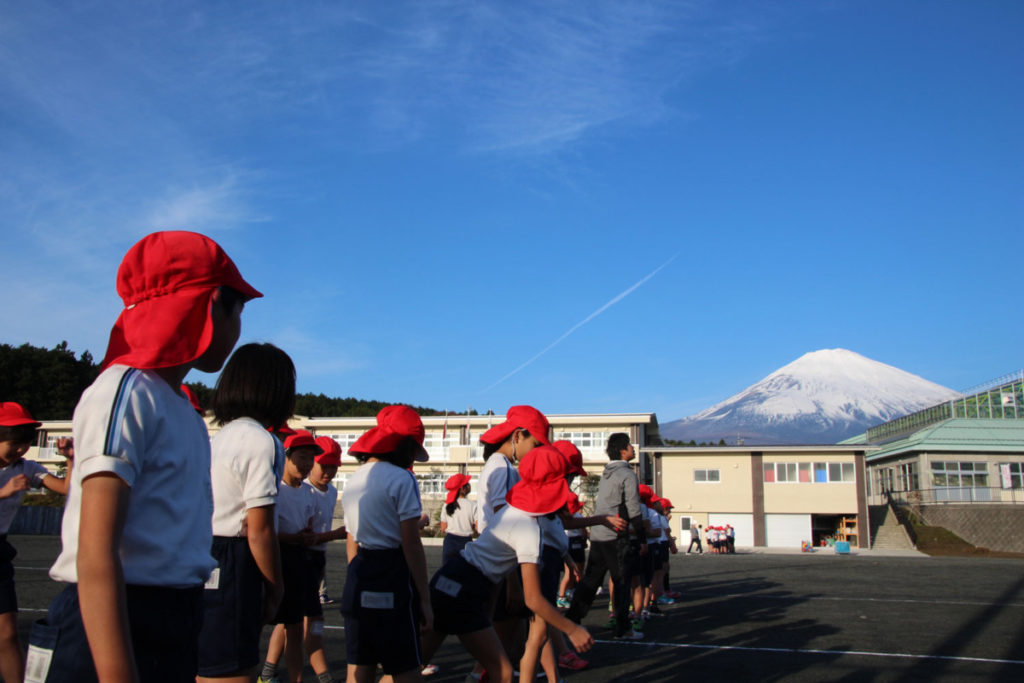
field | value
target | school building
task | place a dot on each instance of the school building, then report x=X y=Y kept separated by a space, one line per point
x=775 y=496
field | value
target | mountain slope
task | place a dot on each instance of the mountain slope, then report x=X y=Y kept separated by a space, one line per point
x=822 y=397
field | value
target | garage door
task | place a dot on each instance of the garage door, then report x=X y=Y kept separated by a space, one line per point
x=787 y=531
x=742 y=523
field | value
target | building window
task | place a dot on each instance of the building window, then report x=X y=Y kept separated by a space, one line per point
x=1016 y=474
x=960 y=481
x=806 y=473
x=707 y=476
x=908 y=478
x=432 y=484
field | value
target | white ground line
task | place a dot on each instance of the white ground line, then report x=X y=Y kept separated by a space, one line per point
x=798 y=651
x=839 y=599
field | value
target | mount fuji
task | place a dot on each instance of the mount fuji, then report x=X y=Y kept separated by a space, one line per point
x=823 y=397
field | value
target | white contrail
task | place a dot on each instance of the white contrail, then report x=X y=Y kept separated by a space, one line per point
x=583 y=322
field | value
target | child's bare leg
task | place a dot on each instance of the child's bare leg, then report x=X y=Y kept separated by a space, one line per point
x=314 y=642
x=12 y=660
x=535 y=640
x=486 y=649
x=293 y=652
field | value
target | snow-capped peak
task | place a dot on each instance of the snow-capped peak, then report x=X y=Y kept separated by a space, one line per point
x=822 y=397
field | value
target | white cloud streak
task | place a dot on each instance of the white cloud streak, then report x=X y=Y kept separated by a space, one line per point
x=583 y=322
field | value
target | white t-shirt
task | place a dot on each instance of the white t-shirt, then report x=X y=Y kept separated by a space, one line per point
x=377 y=498
x=553 y=533
x=512 y=538
x=324 y=518
x=296 y=508
x=131 y=423
x=496 y=478
x=460 y=523
x=9 y=506
x=245 y=465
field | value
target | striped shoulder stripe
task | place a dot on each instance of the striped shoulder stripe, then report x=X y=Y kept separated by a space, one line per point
x=117 y=410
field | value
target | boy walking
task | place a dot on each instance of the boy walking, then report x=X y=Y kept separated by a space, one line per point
x=140 y=497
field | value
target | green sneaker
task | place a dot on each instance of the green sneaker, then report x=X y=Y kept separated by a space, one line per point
x=611 y=620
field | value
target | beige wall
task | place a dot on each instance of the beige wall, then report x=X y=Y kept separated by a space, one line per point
x=733 y=493
x=813 y=498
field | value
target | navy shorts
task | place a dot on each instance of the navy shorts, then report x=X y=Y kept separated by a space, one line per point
x=461 y=597
x=578 y=550
x=453 y=543
x=502 y=610
x=382 y=615
x=8 y=597
x=311 y=603
x=232 y=611
x=550 y=572
x=164 y=625
x=296 y=571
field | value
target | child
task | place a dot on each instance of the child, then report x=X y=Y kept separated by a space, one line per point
x=17 y=434
x=325 y=467
x=457 y=516
x=463 y=589
x=255 y=390
x=524 y=428
x=296 y=510
x=386 y=595
x=140 y=497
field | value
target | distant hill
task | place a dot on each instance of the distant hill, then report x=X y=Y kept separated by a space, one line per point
x=823 y=397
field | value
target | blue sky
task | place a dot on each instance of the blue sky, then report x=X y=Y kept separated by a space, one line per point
x=432 y=194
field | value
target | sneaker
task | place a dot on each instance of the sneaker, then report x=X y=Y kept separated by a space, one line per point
x=569 y=592
x=638 y=625
x=645 y=615
x=325 y=599
x=428 y=670
x=563 y=603
x=675 y=595
x=600 y=590
x=611 y=620
x=632 y=634
x=572 y=662
x=665 y=600
x=632 y=614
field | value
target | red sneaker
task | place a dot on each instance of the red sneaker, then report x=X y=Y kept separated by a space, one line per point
x=573 y=662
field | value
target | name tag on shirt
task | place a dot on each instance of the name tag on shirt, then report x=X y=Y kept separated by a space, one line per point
x=37 y=664
x=213 y=583
x=374 y=600
x=447 y=586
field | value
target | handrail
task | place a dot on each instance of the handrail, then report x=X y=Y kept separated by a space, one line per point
x=903 y=518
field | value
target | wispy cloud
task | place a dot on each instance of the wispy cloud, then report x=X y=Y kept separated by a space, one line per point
x=616 y=299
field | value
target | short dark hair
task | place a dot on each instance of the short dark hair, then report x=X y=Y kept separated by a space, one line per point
x=617 y=442
x=19 y=433
x=491 y=448
x=258 y=381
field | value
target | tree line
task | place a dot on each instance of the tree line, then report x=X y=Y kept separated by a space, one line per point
x=48 y=382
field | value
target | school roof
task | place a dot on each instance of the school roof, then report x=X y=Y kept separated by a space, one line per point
x=956 y=435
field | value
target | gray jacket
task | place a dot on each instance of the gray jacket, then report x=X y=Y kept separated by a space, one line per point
x=618 y=485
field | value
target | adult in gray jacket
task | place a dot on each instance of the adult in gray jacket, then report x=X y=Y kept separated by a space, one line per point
x=613 y=552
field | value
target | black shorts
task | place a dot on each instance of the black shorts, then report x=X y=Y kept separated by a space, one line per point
x=550 y=572
x=502 y=610
x=461 y=598
x=232 y=610
x=164 y=624
x=578 y=550
x=296 y=571
x=311 y=606
x=8 y=597
x=632 y=562
x=382 y=615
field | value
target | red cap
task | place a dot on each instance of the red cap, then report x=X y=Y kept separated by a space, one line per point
x=282 y=430
x=542 y=487
x=301 y=439
x=13 y=415
x=192 y=398
x=666 y=504
x=574 y=503
x=646 y=493
x=331 y=451
x=394 y=423
x=166 y=281
x=519 y=417
x=569 y=450
x=454 y=485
